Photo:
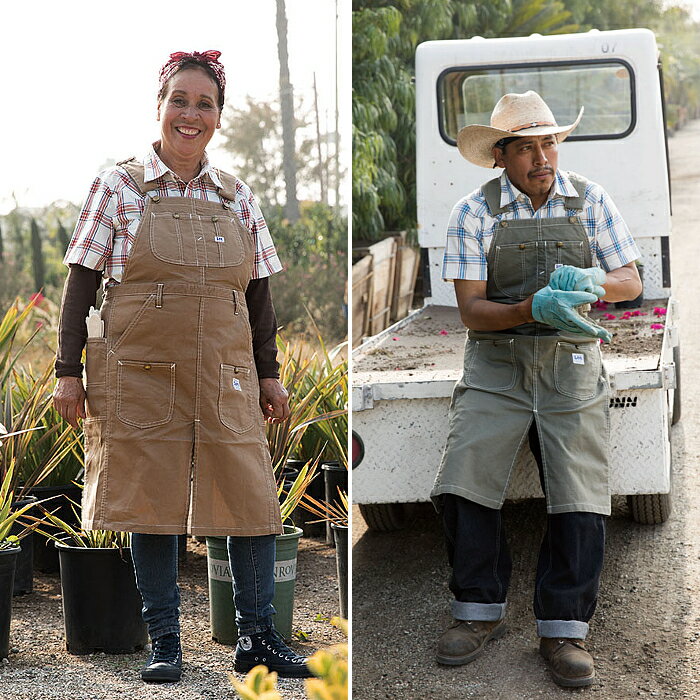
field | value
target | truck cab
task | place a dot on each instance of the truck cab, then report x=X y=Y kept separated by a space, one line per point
x=403 y=377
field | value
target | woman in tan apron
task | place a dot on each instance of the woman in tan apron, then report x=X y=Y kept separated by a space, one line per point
x=182 y=373
x=532 y=372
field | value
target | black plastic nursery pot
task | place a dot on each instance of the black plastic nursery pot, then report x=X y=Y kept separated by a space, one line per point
x=340 y=533
x=24 y=572
x=101 y=604
x=335 y=476
x=45 y=554
x=8 y=562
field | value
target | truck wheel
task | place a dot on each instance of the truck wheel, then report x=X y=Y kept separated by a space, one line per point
x=384 y=517
x=650 y=508
x=676 y=415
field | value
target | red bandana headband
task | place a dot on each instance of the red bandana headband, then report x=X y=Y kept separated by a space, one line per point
x=208 y=58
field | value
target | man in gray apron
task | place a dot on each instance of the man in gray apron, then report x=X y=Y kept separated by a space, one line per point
x=527 y=252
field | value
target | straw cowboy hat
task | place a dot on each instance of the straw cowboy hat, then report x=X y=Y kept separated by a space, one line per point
x=515 y=114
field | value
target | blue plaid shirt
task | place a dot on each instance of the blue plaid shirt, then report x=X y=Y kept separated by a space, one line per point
x=471 y=228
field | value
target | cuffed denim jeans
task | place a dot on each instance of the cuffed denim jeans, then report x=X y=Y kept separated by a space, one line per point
x=568 y=569
x=252 y=563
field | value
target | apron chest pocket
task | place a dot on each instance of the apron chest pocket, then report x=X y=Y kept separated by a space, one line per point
x=237 y=398
x=577 y=369
x=491 y=364
x=145 y=392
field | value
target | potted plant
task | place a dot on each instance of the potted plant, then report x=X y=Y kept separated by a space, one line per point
x=10 y=516
x=222 y=613
x=335 y=513
x=49 y=461
x=101 y=603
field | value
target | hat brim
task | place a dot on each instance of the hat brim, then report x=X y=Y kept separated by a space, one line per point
x=475 y=142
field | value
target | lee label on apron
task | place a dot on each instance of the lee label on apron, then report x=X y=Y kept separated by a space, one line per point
x=577 y=358
x=219 y=239
x=237 y=383
x=558 y=265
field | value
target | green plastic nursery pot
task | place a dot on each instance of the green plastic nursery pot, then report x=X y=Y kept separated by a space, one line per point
x=101 y=604
x=222 y=613
x=8 y=562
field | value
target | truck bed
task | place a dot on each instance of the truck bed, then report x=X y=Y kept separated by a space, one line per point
x=430 y=342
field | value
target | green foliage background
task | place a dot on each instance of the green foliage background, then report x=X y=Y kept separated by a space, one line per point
x=385 y=36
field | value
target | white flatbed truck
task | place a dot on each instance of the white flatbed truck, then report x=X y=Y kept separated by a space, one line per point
x=403 y=377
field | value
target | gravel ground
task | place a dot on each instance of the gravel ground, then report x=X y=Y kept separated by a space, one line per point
x=41 y=669
x=644 y=635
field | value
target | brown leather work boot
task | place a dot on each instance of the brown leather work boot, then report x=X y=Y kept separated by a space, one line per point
x=464 y=640
x=569 y=662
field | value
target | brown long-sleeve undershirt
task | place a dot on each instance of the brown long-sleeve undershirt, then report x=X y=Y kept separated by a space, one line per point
x=80 y=293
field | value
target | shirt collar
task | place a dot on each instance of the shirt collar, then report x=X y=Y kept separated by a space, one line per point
x=562 y=188
x=154 y=167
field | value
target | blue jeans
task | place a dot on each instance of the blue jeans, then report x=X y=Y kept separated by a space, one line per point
x=568 y=569
x=252 y=563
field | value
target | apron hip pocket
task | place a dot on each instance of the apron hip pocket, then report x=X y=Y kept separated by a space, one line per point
x=145 y=392
x=577 y=368
x=238 y=398
x=491 y=364
x=96 y=371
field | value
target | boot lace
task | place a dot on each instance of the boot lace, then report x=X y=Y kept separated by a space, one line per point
x=274 y=643
x=166 y=649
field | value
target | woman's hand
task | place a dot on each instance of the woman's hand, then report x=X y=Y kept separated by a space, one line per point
x=273 y=400
x=69 y=399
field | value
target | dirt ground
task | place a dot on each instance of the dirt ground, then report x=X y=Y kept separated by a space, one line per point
x=39 y=668
x=645 y=634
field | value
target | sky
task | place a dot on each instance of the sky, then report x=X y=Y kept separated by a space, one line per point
x=79 y=79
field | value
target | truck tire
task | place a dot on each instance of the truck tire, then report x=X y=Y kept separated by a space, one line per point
x=650 y=508
x=676 y=415
x=384 y=517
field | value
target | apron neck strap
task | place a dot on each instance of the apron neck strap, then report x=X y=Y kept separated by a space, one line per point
x=135 y=171
x=228 y=187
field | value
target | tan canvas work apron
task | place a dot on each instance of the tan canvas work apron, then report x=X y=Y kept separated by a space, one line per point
x=175 y=437
x=530 y=373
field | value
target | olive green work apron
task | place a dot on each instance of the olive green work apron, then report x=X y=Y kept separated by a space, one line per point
x=174 y=438
x=532 y=372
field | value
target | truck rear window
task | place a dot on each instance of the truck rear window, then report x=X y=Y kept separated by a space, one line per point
x=605 y=88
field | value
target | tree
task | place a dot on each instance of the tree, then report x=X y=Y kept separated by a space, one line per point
x=288 y=124
x=253 y=134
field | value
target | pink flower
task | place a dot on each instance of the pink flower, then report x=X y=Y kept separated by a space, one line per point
x=600 y=305
x=443 y=332
x=396 y=337
x=659 y=311
x=627 y=314
x=636 y=313
x=37 y=298
x=609 y=317
x=657 y=326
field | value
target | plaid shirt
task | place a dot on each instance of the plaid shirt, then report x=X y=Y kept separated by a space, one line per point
x=107 y=225
x=471 y=227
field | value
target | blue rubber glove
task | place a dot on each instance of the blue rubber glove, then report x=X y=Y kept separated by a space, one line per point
x=577 y=279
x=556 y=307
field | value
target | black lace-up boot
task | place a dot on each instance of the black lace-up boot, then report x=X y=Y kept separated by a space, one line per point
x=268 y=648
x=165 y=662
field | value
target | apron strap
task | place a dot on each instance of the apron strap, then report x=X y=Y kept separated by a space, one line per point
x=580 y=183
x=135 y=171
x=228 y=187
x=492 y=195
